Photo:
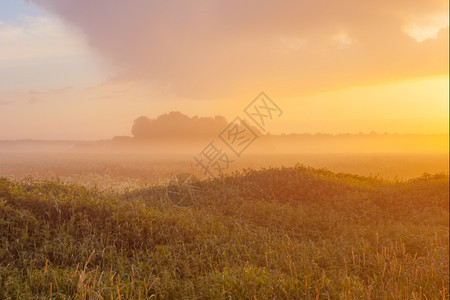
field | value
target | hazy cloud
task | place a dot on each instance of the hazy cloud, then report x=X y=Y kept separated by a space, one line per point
x=4 y=102
x=36 y=96
x=34 y=100
x=30 y=37
x=426 y=26
x=52 y=92
x=206 y=48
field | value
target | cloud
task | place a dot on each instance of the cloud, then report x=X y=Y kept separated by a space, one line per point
x=342 y=39
x=5 y=102
x=34 y=100
x=31 y=37
x=207 y=48
x=36 y=96
x=427 y=26
x=51 y=92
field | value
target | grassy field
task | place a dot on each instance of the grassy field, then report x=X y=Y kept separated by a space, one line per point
x=289 y=233
x=119 y=170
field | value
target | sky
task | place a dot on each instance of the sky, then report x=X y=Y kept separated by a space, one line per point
x=79 y=69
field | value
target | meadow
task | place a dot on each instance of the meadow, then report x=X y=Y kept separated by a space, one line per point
x=133 y=170
x=277 y=233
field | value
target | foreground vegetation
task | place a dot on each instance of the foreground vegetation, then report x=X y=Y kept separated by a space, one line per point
x=290 y=233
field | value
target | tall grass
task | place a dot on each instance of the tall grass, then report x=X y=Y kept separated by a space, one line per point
x=289 y=233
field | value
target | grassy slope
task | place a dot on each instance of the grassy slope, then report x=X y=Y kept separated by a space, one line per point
x=278 y=233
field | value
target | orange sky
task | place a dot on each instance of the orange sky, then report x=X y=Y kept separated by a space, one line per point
x=85 y=69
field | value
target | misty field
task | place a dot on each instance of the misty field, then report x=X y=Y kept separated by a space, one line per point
x=133 y=170
x=278 y=233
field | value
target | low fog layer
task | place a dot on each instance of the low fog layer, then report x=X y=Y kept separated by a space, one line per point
x=178 y=134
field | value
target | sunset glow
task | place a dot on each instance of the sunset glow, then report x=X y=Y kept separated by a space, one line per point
x=377 y=67
x=224 y=149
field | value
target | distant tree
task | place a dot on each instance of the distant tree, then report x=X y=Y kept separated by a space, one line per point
x=140 y=127
x=178 y=125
